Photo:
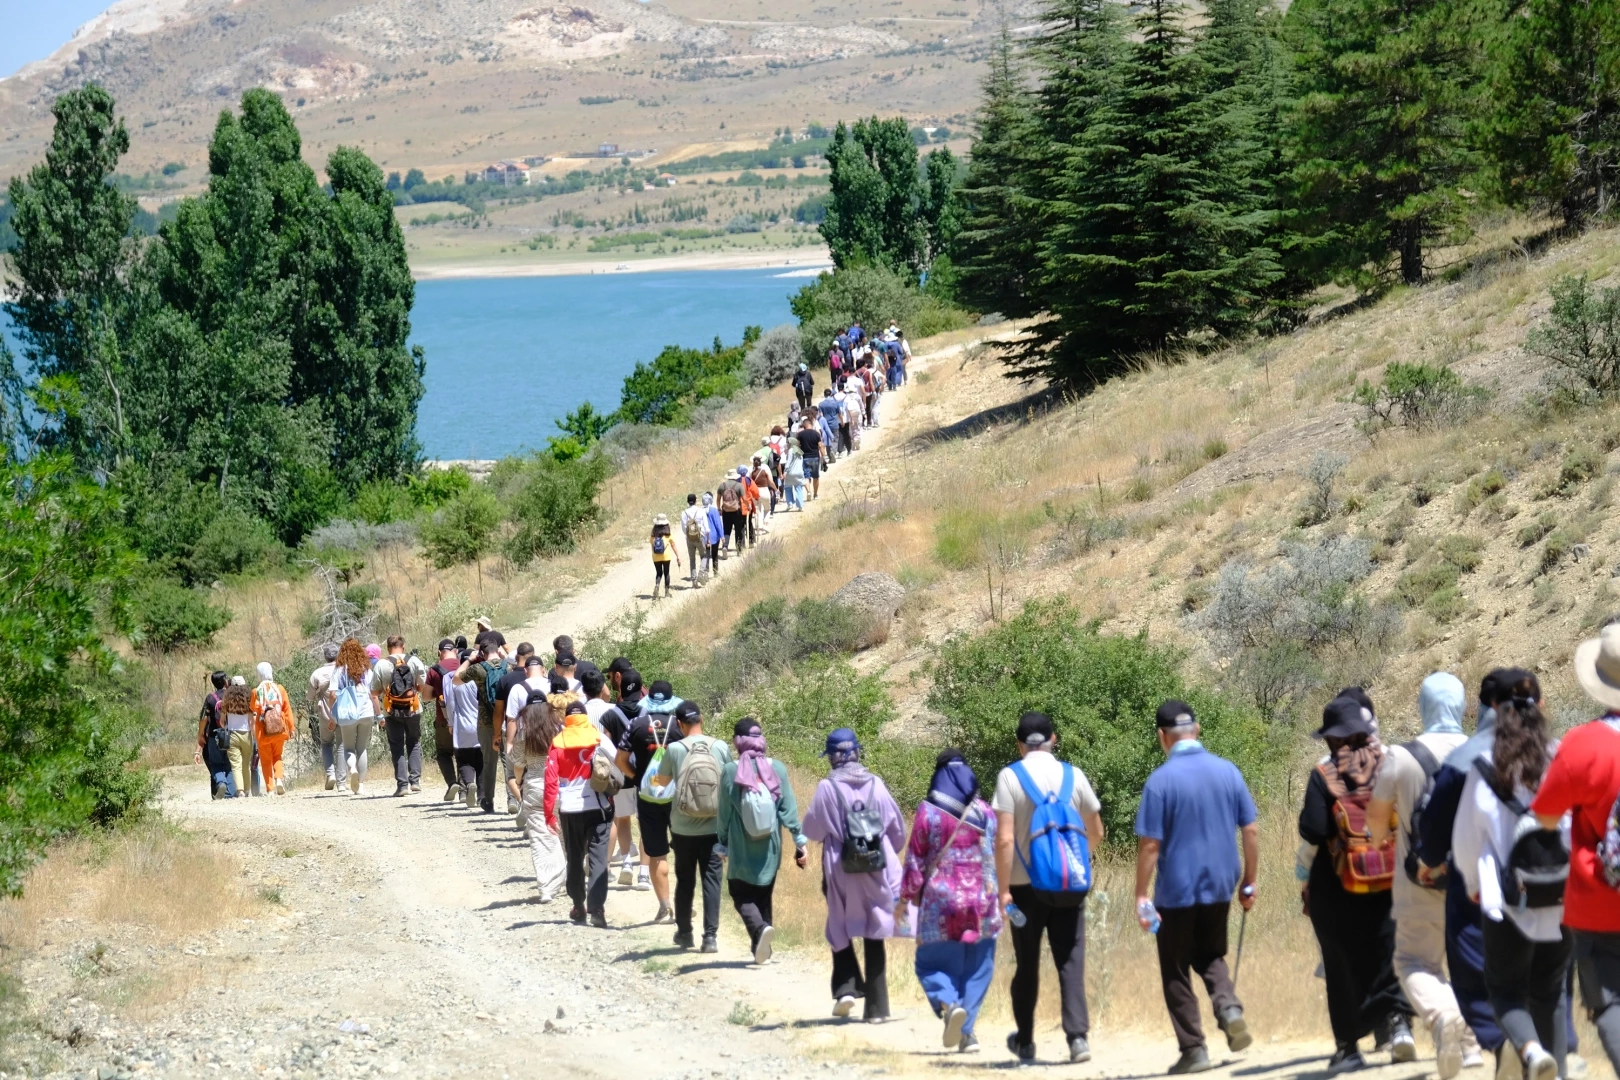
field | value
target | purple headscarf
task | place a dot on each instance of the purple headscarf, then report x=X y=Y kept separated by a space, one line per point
x=754 y=769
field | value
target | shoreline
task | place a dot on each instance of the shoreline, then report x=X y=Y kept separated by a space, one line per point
x=786 y=259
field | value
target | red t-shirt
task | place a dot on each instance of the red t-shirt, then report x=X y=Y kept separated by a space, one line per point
x=1584 y=777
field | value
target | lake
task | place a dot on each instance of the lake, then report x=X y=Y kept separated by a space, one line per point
x=508 y=357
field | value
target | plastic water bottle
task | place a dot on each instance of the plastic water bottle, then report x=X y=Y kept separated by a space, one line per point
x=1016 y=917
x=1146 y=912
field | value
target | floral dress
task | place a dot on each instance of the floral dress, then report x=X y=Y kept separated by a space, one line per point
x=950 y=875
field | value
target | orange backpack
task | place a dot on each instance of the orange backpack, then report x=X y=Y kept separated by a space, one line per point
x=1362 y=867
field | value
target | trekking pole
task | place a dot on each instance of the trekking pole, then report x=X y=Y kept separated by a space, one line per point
x=1243 y=926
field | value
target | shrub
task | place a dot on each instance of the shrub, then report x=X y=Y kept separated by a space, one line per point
x=1101 y=691
x=969 y=536
x=169 y=616
x=1580 y=339
x=382 y=502
x=656 y=654
x=774 y=357
x=432 y=488
x=1417 y=396
x=870 y=296
x=1579 y=465
x=463 y=530
x=233 y=542
x=1322 y=473
x=552 y=503
x=1533 y=532
x=770 y=639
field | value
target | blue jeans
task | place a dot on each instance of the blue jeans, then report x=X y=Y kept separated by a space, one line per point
x=952 y=973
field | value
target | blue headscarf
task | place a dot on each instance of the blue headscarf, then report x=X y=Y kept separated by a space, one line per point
x=954 y=788
x=1441 y=701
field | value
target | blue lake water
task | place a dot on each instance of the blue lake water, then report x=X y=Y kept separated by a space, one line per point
x=508 y=357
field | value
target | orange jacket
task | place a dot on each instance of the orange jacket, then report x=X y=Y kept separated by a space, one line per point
x=263 y=694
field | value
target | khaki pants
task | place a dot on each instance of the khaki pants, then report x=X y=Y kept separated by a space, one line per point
x=240 y=756
x=1420 y=957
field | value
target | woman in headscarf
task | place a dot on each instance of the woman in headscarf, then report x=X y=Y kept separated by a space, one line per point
x=950 y=875
x=855 y=818
x=236 y=704
x=756 y=804
x=1347 y=891
x=793 y=475
x=273 y=722
x=540 y=724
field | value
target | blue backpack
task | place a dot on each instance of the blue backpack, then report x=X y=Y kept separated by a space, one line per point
x=1059 y=855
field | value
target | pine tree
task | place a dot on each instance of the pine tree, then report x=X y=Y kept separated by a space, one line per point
x=1554 y=128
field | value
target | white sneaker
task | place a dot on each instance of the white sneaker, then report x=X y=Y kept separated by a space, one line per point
x=354 y=783
x=843 y=1006
x=545 y=897
x=955 y=1021
x=762 y=951
x=472 y=796
x=627 y=874
x=331 y=780
x=1473 y=1059
x=643 y=880
x=450 y=792
x=1539 y=1065
x=1448 y=1035
x=281 y=787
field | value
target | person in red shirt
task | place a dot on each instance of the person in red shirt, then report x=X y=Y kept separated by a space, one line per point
x=1583 y=781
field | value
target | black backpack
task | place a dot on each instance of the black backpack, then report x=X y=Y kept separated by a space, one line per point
x=1426 y=761
x=862 y=848
x=1537 y=863
x=402 y=688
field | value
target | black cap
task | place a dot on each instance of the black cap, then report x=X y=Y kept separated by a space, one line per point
x=1035 y=729
x=574 y=707
x=533 y=661
x=583 y=667
x=619 y=666
x=746 y=726
x=631 y=684
x=565 y=659
x=1499 y=686
x=446 y=643
x=1175 y=714
x=1344 y=718
x=559 y=685
x=687 y=711
x=1359 y=696
x=662 y=689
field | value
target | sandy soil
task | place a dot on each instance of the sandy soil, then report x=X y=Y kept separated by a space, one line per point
x=787 y=258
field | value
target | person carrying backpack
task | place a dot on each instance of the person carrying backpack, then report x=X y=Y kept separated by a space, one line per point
x=861 y=831
x=434 y=686
x=1584 y=782
x=830 y=419
x=756 y=804
x=692 y=768
x=640 y=753
x=214 y=740
x=1347 y=889
x=353 y=699
x=273 y=723
x=750 y=503
x=236 y=705
x=461 y=703
x=950 y=877
x=579 y=798
x=1194 y=810
x=401 y=677
x=662 y=542
x=1418 y=898
x=793 y=474
x=804 y=384
x=714 y=532
x=730 y=496
x=323 y=728
x=694 y=526
x=1048 y=820
x=485 y=669
x=1517 y=872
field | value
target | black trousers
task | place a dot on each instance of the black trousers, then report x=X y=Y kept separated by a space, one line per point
x=874 y=988
x=714 y=558
x=845 y=444
x=585 y=838
x=405 y=744
x=753 y=904
x=804 y=399
x=1357 y=938
x=1194 y=939
x=444 y=752
x=732 y=521
x=660 y=574
x=1526 y=982
x=1065 y=930
x=695 y=856
x=469 y=762
x=1597 y=961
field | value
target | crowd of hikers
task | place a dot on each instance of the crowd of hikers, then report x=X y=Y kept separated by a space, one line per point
x=723 y=522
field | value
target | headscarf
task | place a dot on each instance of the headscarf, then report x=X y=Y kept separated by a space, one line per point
x=373 y=651
x=954 y=788
x=708 y=500
x=266 y=673
x=1353 y=759
x=1441 y=700
x=754 y=769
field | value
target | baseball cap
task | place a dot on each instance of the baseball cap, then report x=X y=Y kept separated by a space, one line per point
x=565 y=659
x=662 y=689
x=631 y=684
x=533 y=661
x=445 y=644
x=1175 y=714
x=619 y=666
x=687 y=711
x=1035 y=729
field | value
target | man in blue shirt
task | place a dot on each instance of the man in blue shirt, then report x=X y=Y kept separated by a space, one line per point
x=1193 y=808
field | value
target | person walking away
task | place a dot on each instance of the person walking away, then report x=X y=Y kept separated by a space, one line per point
x=273 y=723
x=488 y=638
x=950 y=876
x=1418 y=901
x=485 y=669
x=1511 y=866
x=905 y=354
x=1194 y=809
x=530 y=756
x=766 y=488
x=837 y=356
x=804 y=385
x=869 y=387
x=862 y=832
x=1347 y=889
x=793 y=475
x=518 y=672
x=641 y=752
x=462 y=702
x=663 y=550
x=830 y=413
x=714 y=532
x=693 y=765
x=214 y=740
x=353 y=701
x=584 y=813
x=323 y=727
x=237 y=705
x=750 y=503
x=813 y=445
x=730 y=495
x=612 y=721
x=756 y=804
x=693 y=522
x=433 y=689
x=401 y=677
x=1027 y=812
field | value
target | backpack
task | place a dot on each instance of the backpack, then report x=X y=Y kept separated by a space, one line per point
x=494 y=672
x=697 y=787
x=861 y=851
x=603 y=779
x=694 y=528
x=651 y=790
x=658 y=545
x=730 y=497
x=1608 y=847
x=273 y=712
x=353 y=703
x=758 y=811
x=1537 y=864
x=1362 y=868
x=1436 y=878
x=401 y=697
x=1059 y=858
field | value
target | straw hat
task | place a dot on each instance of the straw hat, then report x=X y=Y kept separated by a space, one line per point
x=660 y=519
x=1597 y=667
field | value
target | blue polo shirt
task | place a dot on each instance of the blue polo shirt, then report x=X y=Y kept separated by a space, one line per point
x=1193 y=805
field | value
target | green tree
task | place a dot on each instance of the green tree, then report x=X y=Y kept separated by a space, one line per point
x=463 y=531
x=941 y=205
x=663 y=390
x=883 y=210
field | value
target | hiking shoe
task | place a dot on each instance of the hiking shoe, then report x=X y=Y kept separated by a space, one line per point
x=627 y=874
x=577 y=914
x=1346 y=1058
x=331 y=781
x=843 y=1007
x=955 y=1021
x=643 y=881
x=512 y=807
x=1448 y=1036
x=470 y=796
x=221 y=792
x=683 y=939
x=488 y=806
x=663 y=913
x=450 y=792
x=969 y=1044
x=401 y=790
x=1024 y=1052
x=1402 y=1047
x=1236 y=1028
x=599 y=921
x=1539 y=1065
x=1079 y=1049
x=281 y=787
x=354 y=783
x=710 y=945
x=1194 y=1059
x=416 y=789
x=545 y=896
x=762 y=947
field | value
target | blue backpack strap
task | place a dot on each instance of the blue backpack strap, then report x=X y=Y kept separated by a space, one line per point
x=1066 y=795
x=1027 y=782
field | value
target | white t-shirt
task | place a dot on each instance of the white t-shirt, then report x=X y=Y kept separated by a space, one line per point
x=595 y=708
x=1010 y=798
x=517 y=699
x=461 y=705
x=238 y=721
x=1401 y=781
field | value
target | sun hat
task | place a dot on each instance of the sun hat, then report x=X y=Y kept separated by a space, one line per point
x=660 y=519
x=1597 y=667
x=484 y=623
x=1344 y=718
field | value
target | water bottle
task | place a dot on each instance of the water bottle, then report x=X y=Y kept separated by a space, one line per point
x=1016 y=917
x=1146 y=912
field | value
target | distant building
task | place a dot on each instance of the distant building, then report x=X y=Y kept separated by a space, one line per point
x=667 y=179
x=509 y=173
x=608 y=149
x=536 y=161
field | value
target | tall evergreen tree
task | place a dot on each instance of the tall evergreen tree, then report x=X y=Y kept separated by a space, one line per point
x=871 y=216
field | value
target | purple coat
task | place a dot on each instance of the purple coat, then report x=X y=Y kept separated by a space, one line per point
x=858 y=905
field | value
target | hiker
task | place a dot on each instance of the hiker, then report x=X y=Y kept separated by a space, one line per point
x=830 y=417
x=401 y=678
x=485 y=668
x=1347 y=889
x=353 y=701
x=525 y=665
x=766 y=483
x=565 y=663
x=1583 y=781
x=848 y=422
x=694 y=526
x=616 y=670
x=640 y=752
x=614 y=723
x=488 y=638
x=750 y=503
x=861 y=832
x=663 y=550
x=813 y=444
x=756 y=804
x=1024 y=810
x=694 y=764
x=905 y=354
x=463 y=703
x=1193 y=809
x=714 y=531
x=869 y=387
x=584 y=814
x=237 y=705
x=214 y=740
x=804 y=384
x=1418 y=902
x=273 y=723
x=323 y=727
x=793 y=475
x=433 y=689
x=730 y=495
x=1496 y=842
x=950 y=877
x=530 y=756
x=837 y=357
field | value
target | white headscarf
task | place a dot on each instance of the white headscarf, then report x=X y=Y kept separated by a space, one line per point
x=266 y=673
x=1441 y=701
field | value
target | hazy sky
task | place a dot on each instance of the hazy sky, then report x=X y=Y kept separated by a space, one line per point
x=36 y=28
